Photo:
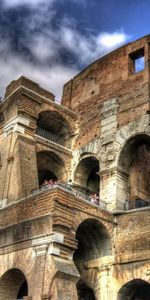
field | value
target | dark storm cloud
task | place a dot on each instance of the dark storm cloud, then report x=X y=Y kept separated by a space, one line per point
x=41 y=40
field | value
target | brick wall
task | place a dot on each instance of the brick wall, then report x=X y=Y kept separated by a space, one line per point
x=105 y=79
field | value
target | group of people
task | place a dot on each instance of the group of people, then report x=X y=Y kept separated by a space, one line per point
x=137 y=202
x=48 y=183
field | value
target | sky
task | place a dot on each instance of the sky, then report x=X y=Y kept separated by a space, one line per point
x=50 y=41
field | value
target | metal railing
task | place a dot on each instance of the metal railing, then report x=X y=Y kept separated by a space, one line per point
x=53 y=137
x=78 y=193
x=49 y=135
x=136 y=203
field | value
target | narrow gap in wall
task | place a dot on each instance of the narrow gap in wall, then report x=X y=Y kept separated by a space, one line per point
x=136 y=61
x=139 y=64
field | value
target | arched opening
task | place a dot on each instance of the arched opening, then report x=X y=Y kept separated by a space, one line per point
x=134 y=162
x=13 y=285
x=94 y=242
x=50 y=166
x=87 y=175
x=52 y=126
x=136 y=289
x=23 y=290
x=84 y=292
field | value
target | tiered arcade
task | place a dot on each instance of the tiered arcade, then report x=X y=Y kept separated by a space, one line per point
x=55 y=243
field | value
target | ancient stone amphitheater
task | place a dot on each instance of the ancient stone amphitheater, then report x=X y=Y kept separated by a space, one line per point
x=75 y=184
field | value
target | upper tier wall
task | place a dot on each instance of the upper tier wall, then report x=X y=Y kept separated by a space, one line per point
x=112 y=74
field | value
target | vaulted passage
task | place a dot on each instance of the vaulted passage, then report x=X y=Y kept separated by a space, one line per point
x=86 y=174
x=50 y=166
x=139 y=180
x=135 y=163
x=93 y=241
x=136 y=289
x=52 y=126
x=84 y=292
x=13 y=285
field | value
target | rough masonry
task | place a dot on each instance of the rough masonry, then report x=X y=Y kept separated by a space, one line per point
x=55 y=243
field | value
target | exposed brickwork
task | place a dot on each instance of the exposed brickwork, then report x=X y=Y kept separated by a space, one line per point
x=31 y=85
x=52 y=239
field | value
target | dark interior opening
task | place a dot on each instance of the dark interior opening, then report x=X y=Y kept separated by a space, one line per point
x=93 y=180
x=87 y=174
x=135 y=289
x=52 y=126
x=84 y=292
x=93 y=241
x=23 y=290
x=50 y=166
x=46 y=175
x=13 y=285
x=135 y=161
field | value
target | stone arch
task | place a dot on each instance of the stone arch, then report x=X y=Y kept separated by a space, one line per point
x=94 y=243
x=86 y=173
x=134 y=289
x=88 y=154
x=134 y=168
x=69 y=116
x=127 y=152
x=104 y=218
x=13 y=285
x=94 y=240
x=84 y=292
x=50 y=166
x=132 y=129
x=53 y=126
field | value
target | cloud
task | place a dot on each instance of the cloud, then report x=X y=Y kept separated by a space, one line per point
x=50 y=50
x=43 y=47
x=51 y=78
x=49 y=70
x=13 y=3
x=34 y=3
x=110 y=40
x=87 y=48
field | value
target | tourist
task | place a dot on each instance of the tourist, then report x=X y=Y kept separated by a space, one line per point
x=94 y=199
x=69 y=184
x=51 y=183
x=45 y=184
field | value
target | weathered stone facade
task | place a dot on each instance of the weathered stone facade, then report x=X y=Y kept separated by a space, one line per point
x=54 y=242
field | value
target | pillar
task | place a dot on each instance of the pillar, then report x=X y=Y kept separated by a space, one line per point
x=46 y=297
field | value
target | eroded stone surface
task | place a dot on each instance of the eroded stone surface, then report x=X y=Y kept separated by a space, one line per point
x=54 y=239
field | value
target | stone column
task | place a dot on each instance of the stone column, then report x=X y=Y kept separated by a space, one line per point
x=27 y=298
x=122 y=190
x=147 y=62
x=105 y=284
x=64 y=288
x=114 y=189
x=40 y=257
x=108 y=189
x=65 y=280
x=108 y=151
x=147 y=73
x=46 y=297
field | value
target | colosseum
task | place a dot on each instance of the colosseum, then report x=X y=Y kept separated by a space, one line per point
x=75 y=184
